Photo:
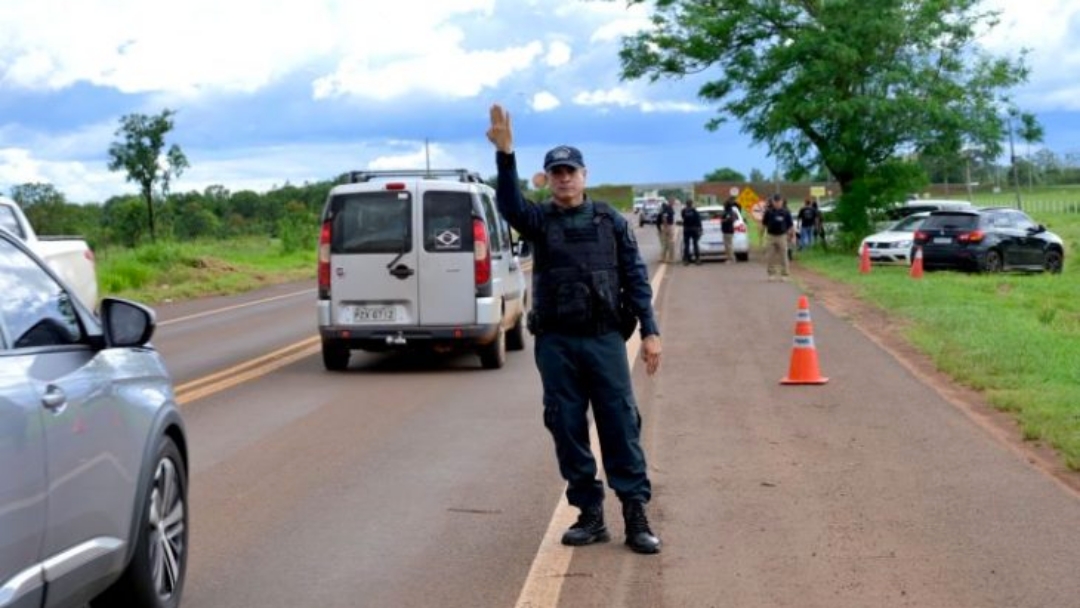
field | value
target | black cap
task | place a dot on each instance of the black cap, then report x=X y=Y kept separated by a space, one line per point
x=563 y=155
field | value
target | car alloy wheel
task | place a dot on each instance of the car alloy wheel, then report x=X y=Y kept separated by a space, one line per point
x=167 y=521
x=1053 y=262
x=154 y=578
x=993 y=261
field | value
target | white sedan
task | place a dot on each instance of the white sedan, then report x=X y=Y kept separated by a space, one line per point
x=893 y=245
x=712 y=239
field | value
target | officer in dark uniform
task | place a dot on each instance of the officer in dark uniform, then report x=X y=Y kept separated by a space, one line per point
x=585 y=265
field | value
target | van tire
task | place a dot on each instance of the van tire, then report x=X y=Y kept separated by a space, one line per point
x=515 y=338
x=493 y=355
x=742 y=257
x=335 y=356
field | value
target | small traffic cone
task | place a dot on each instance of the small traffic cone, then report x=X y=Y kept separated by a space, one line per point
x=864 y=259
x=804 y=360
x=916 y=264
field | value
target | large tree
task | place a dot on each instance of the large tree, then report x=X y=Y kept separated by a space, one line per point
x=859 y=86
x=139 y=153
x=724 y=174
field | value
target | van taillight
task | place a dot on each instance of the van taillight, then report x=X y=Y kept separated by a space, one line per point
x=740 y=228
x=481 y=253
x=324 y=261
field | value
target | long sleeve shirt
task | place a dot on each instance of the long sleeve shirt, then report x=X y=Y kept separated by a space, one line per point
x=529 y=219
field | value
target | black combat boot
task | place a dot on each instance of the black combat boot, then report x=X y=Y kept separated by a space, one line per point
x=638 y=535
x=589 y=528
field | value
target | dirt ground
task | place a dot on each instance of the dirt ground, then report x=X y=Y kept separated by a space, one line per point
x=887 y=332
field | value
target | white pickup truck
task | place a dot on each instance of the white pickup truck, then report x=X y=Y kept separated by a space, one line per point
x=70 y=257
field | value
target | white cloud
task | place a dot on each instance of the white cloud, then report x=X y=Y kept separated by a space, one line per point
x=452 y=73
x=75 y=179
x=544 y=101
x=210 y=45
x=615 y=30
x=624 y=98
x=558 y=54
x=1050 y=33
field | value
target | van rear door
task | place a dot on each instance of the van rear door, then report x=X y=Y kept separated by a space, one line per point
x=447 y=256
x=373 y=263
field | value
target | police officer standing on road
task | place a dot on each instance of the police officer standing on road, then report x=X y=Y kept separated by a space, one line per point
x=665 y=220
x=691 y=229
x=779 y=228
x=727 y=228
x=585 y=256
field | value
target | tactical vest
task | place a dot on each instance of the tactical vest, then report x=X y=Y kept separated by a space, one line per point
x=576 y=275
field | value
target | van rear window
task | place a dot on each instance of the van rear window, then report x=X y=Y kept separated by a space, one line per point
x=448 y=222
x=372 y=222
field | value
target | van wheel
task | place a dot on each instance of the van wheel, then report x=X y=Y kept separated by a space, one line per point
x=515 y=338
x=742 y=257
x=335 y=357
x=155 y=576
x=493 y=356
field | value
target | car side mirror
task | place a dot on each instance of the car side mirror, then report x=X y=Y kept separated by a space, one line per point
x=126 y=323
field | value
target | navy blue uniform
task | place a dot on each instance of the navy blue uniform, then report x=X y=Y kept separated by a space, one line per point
x=578 y=367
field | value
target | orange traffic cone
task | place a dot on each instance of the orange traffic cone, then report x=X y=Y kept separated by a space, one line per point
x=804 y=361
x=916 y=264
x=864 y=259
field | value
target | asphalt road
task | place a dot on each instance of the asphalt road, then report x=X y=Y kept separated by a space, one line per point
x=430 y=482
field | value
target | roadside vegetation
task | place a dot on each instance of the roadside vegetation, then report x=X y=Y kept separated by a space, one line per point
x=168 y=270
x=1015 y=337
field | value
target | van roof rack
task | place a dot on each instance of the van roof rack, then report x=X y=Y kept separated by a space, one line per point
x=463 y=175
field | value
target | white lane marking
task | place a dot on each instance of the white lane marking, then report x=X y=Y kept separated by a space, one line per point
x=234 y=307
x=543 y=584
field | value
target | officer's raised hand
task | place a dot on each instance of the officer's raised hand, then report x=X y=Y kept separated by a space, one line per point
x=500 y=133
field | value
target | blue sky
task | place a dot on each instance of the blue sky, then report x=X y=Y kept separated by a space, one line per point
x=303 y=90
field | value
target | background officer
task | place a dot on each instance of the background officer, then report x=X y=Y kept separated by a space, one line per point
x=779 y=230
x=584 y=257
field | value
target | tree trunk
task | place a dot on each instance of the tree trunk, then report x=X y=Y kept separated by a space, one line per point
x=149 y=196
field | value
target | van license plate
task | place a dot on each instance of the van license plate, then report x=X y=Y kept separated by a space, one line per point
x=372 y=314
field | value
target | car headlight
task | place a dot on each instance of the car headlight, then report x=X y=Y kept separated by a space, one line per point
x=903 y=245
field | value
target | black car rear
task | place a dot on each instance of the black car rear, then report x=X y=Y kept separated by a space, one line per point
x=991 y=240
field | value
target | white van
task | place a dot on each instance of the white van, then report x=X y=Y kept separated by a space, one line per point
x=418 y=258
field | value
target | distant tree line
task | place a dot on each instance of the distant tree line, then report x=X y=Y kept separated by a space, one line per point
x=287 y=212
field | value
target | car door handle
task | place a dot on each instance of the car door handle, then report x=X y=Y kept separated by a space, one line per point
x=54 y=398
x=402 y=271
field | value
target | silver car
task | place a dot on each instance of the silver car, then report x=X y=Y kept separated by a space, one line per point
x=93 y=481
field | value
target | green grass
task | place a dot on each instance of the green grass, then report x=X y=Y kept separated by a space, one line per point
x=168 y=271
x=1016 y=337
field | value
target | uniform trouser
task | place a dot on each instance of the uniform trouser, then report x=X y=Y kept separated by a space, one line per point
x=667 y=243
x=776 y=254
x=806 y=236
x=729 y=247
x=575 y=372
x=691 y=251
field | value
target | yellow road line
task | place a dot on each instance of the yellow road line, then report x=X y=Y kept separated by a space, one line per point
x=543 y=584
x=248 y=370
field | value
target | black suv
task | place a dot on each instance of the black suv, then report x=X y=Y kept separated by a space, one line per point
x=989 y=239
